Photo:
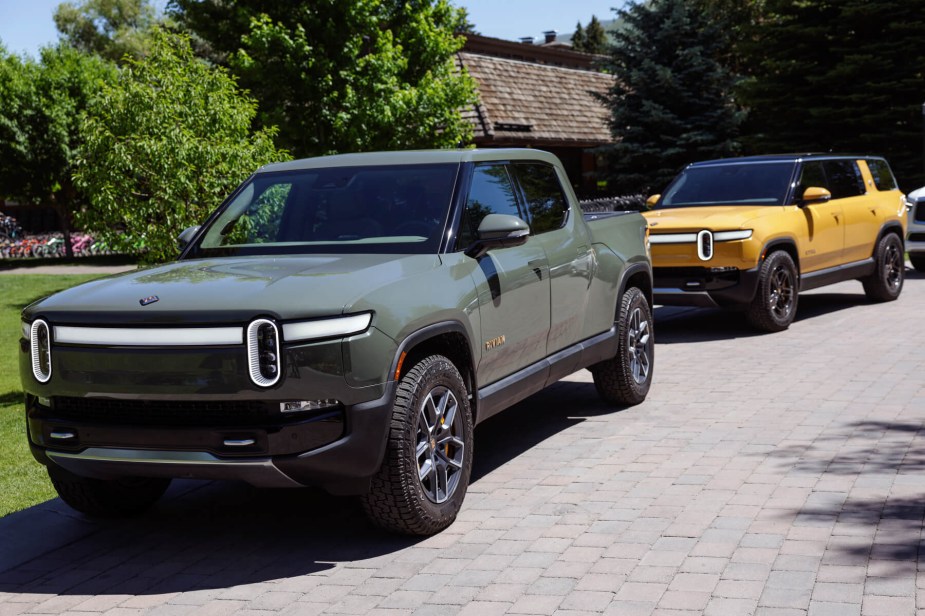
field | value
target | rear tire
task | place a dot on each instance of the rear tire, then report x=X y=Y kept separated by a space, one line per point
x=425 y=474
x=775 y=302
x=886 y=283
x=107 y=498
x=625 y=378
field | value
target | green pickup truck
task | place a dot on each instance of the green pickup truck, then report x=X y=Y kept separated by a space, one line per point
x=342 y=322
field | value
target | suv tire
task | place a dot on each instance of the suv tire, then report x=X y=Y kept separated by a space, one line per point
x=775 y=303
x=886 y=283
x=626 y=377
x=428 y=460
x=107 y=498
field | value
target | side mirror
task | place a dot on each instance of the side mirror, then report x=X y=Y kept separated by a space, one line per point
x=187 y=236
x=815 y=194
x=498 y=231
x=651 y=201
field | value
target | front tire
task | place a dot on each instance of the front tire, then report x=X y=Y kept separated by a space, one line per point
x=425 y=474
x=886 y=283
x=625 y=378
x=107 y=498
x=775 y=302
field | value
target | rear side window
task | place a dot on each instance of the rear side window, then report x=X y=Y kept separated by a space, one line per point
x=883 y=176
x=544 y=196
x=844 y=178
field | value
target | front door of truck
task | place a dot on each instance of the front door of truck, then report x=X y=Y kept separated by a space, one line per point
x=512 y=283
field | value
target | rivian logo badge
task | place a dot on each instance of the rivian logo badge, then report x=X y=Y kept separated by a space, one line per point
x=148 y=300
x=494 y=343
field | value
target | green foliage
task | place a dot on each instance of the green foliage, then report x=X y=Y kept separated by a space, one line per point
x=108 y=28
x=840 y=75
x=343 y=76
x=164 y=145
x=43 y=103
x=592 y=39
x=671 y=104
x=23 y=482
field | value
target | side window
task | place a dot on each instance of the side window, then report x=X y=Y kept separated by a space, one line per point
x=544 y=196
x=844 y=178
x=812 y=175
x=883 y=176
x=491 y=192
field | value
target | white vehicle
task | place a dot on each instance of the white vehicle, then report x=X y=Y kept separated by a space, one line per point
x=915 y=233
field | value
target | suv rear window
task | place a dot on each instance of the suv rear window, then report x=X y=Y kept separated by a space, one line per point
x=883 y=176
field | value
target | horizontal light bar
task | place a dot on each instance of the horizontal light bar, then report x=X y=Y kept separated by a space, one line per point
x=327 y=328
x=672 y=238
x=728 y=236
x=156 y=336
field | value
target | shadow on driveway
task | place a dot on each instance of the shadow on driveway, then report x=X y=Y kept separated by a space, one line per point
x=214 y=535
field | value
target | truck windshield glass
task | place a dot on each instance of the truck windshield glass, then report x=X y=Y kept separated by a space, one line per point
x=377 y=209
x=765 y=183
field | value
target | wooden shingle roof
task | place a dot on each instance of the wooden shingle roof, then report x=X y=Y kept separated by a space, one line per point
x=525 y=103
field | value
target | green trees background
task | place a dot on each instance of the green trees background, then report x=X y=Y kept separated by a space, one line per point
x=703 y=78
x=140 y=122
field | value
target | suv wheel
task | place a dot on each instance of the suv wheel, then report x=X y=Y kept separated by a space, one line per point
x=625 y=379
x=425 y=473
x=918 y=262
x=775 y=303
x=107 y=498
x=886 y=283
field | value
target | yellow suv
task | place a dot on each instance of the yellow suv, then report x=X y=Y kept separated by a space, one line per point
x=752 y=232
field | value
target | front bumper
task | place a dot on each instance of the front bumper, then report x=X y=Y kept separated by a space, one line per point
x=704 y=287
x=192 y=412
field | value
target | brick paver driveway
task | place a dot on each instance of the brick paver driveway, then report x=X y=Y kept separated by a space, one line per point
x=766 y=474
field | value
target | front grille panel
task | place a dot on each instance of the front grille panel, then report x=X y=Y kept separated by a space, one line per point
x=917 y=237
x=919 y=214
x=166 y=413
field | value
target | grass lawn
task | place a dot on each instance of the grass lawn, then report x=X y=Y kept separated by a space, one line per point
x=23 y=481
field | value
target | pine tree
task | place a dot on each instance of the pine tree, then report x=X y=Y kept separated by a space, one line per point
x=592 y=39
x=578 y=38
x=840 y=75
x=672 y=103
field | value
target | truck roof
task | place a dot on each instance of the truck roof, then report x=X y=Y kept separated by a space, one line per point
x=411 y=157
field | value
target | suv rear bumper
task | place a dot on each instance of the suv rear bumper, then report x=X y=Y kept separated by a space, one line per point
x=704 y=287
x=338 y=450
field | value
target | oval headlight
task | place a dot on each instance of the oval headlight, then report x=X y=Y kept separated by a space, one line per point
x=263 y=360
x=40 y=337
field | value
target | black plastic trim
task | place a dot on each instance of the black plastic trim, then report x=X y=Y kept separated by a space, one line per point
x=839 y=273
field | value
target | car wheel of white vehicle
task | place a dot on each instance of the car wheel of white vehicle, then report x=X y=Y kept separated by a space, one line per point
x=626 y=377
x=424 y=477
x=886 y=283
x=107 y=498
x=775 y=302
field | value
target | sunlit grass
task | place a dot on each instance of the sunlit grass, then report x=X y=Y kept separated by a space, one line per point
x=23 y=481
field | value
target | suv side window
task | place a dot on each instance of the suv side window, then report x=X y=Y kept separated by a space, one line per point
x=811 y=175
x=844 y=178
x=544 y=196
x=491 y=192
x=883 y=176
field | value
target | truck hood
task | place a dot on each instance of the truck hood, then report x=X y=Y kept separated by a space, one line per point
x=231 y=290
x=714 y=218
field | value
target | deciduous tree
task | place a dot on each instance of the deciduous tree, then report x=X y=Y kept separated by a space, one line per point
x=108 y=28
x=165 y=144
x=343 y=75
x=43 y=103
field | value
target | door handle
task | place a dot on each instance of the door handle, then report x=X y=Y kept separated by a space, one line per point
x=537 y=266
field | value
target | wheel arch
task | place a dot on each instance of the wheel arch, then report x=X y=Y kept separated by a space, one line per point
x=447 y=338
x=892 y=226
x=786 y=244
x=635 y=275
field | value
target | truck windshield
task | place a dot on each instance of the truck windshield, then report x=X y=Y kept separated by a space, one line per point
x=376 y=209
x=749 y=183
